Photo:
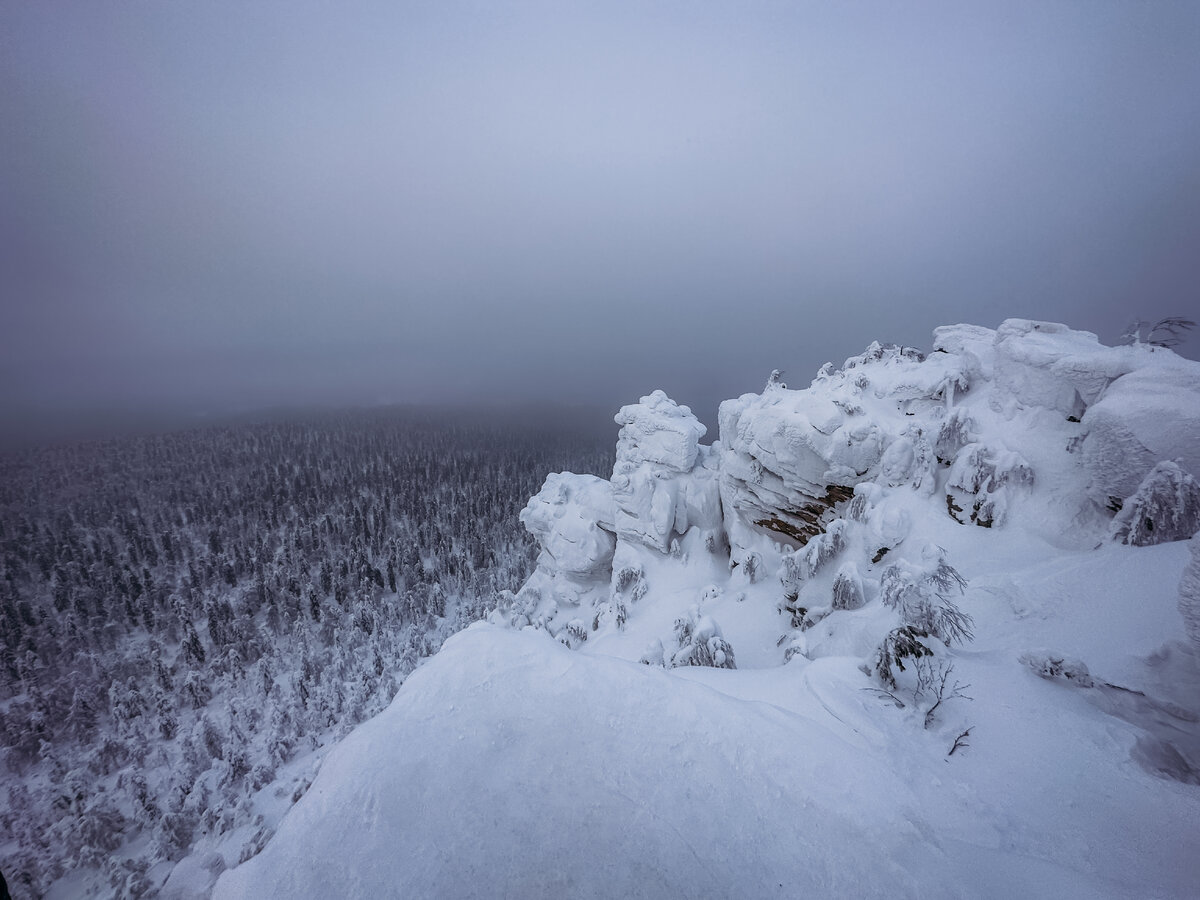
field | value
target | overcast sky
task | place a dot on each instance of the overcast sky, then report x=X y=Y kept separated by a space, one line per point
x=218 y=205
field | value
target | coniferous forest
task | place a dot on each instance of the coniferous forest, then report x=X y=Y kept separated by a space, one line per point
x=188 y=619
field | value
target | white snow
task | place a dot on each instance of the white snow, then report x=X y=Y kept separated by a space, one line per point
x=1049 y=365
x=572 y=518
x=1143 y=418
x=1189 y=594
x=658 y=443
x=1063 y=758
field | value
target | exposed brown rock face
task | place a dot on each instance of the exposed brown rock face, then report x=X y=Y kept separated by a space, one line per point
x=805 y=523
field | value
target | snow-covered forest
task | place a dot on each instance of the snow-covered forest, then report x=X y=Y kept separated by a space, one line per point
x=188 y=620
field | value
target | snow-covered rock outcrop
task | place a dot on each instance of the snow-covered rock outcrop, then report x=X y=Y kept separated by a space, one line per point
x=572 y=518
x=977 y=424
x=663 y=482
x=1047 y=365
x=789 y=458
x=592 y=532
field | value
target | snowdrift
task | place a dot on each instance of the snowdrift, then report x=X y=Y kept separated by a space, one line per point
x=519 y=769
x=912 y=631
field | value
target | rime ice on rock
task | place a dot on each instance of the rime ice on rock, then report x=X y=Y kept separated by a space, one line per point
x=1048 y=365
x=973 y=422
x=1148 y=415
x=789 y=458
x=572 y=519
x=664 y=484
x=658 y=448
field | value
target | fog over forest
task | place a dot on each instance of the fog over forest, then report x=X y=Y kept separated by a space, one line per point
x=211 y=208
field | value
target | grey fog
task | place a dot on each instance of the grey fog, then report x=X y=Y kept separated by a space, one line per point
x=209 y=208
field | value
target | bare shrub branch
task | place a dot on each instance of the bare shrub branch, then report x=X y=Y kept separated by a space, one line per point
x=960 y=742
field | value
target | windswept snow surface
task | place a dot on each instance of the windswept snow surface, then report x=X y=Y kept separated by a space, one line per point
x=523 y=769
x=509 y=766
x=535 y=757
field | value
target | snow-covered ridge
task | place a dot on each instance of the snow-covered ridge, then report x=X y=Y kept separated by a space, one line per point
x=913 y=630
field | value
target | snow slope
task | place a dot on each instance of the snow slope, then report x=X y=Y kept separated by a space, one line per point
x=534 y=756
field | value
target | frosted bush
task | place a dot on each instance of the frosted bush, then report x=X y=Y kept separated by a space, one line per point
x=956 y=432
x=1052 y=665
x=573 y=633
x=654 y=655
x=847 y=588
x=1165 y=508
x=629 y=581
x=857 y=510
x=908 y=460
x=979 y=483
x=824 y=547
x=700 y=643
x=613 y=611
x=904 y=643
x=752 y=566
x=792 y=572
x=922 y=597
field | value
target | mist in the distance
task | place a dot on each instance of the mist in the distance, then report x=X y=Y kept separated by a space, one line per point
x=212 y=207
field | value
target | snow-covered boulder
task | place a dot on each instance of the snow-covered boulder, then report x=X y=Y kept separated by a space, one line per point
x=782 y=444
x=663 y=494
x=572 y=519
x=659 y=431
x=1144 y=417
x=1048 y=365
x=663 y=481
x=788 y=458
x=973 y=345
